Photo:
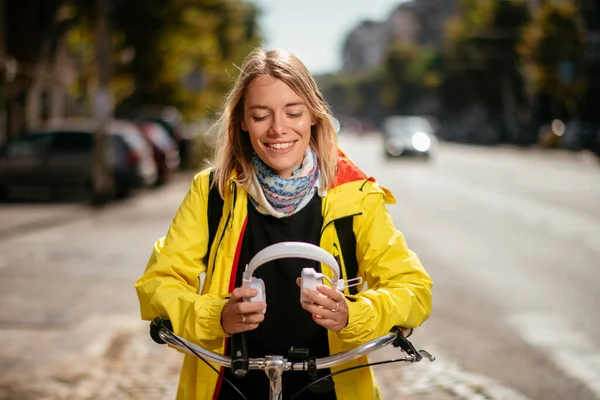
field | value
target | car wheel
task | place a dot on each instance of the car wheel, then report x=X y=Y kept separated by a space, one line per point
x=3 y=194
x=93 y=197
x=123 y=189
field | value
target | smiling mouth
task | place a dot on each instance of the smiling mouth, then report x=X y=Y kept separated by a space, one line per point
x=280 y=146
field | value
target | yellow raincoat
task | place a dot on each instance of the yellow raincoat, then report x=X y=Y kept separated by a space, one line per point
x=398 y=294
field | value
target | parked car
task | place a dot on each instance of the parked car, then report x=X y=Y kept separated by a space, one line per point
x=164 y=148
x=409 y=135
x=140 y=155
x=59 y=157
x=57 y=162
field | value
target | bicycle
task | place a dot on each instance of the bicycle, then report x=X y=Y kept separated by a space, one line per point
x=297 y=359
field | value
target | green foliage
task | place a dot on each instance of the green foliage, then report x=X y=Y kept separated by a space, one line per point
x=481 y=57
x=175 y=52
x=552 y=48
x=183 y=49
x=346 y=93
x=407 y=72
x=484 y=38
x=410 y=72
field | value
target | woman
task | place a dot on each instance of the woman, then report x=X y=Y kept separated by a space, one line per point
x=282 y=178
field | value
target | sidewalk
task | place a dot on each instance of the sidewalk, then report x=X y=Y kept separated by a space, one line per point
x=18 y=218
x=22 y=218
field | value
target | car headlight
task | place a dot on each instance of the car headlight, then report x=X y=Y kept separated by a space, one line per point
x=421 y=141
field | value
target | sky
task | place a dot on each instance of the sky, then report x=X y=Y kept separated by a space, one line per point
x=314 y=30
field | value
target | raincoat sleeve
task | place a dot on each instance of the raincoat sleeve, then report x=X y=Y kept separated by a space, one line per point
x=399 y=288
x=169 y=286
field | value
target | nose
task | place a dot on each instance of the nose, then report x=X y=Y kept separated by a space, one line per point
x=278 y=126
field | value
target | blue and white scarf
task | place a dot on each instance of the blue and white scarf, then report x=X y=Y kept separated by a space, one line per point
x=279 y=197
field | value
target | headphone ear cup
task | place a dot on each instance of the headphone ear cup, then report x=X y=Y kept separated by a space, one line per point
x=259 y=285
x=310 y=279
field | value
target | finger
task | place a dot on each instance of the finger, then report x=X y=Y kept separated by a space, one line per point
x=255 y=318
x=325 y=323
x=322 y=312
x=320 y=299
x=249 y=307
x=239 y=294
x=330 y=292
x=246 y=327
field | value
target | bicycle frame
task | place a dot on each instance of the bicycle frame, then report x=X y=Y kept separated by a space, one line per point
x=275 y=365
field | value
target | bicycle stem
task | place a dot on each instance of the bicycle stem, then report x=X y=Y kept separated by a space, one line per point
x=274 y=367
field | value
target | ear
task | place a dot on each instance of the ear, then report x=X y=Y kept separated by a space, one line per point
x=313 y=120
x=244 y=126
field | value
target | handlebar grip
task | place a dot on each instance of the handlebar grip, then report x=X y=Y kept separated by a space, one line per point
x=240 y=364
x=156 y=325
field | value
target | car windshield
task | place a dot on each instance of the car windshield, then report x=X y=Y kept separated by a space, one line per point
x=73 y=142
x=28 y=145
x=405 y=126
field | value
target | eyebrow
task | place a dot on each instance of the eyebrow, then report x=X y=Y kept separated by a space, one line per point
x=262 y=107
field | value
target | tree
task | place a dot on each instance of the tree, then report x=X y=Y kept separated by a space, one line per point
x=481 y=64
x=412 y=73
x=175 y=52
x=357 y=95
x=184 y=48
x=552 y=47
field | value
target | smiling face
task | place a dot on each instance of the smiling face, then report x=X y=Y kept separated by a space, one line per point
x=278 y=123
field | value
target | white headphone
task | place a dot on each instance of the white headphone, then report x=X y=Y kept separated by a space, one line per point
x=310 y=278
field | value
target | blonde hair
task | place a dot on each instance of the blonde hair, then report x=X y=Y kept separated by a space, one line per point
x=234 y=149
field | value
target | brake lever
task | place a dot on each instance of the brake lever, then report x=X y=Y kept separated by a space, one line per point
x=408 y=348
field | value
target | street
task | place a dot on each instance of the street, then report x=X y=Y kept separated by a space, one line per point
x=510 y=236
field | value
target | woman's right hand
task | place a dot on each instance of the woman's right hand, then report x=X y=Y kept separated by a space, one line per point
x=239 y=316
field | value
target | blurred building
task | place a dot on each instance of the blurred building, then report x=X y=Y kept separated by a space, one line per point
x=364 y=47
x=416 y=22
x=36 y=64
x=421 y=22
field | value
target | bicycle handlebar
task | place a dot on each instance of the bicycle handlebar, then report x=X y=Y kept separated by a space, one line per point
x=162 y=333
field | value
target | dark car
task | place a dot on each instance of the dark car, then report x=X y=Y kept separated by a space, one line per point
x=62 y=160
x=51 y=163
x=409 y=135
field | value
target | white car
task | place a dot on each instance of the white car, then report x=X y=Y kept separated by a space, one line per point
x=409 y=136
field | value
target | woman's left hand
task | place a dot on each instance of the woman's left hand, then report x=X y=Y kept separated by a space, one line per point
x=328 y=307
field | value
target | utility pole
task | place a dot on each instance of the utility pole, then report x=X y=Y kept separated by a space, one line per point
x=103 y=180
x=102 y=98
x=3 y=75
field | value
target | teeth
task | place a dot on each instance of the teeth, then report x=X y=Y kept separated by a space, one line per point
x=281 y=146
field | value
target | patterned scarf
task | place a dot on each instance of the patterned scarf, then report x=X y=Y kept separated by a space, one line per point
x=279 y=197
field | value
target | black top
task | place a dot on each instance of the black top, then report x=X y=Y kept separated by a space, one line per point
x=286 y=323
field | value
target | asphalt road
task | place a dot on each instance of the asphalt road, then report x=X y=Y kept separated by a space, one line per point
x=511 y=238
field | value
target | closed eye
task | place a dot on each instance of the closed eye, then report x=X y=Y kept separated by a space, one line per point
x=259 y=118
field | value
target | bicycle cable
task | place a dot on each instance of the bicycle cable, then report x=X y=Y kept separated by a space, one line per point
x=209 y=364
x=305 y=388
